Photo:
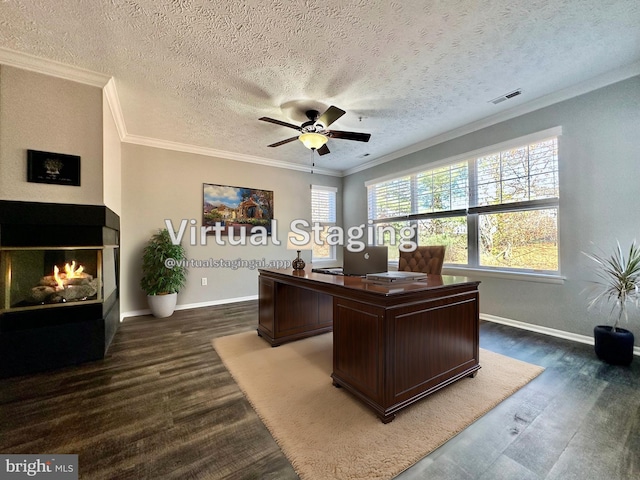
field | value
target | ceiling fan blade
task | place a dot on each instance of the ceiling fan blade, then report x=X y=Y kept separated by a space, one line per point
x=323 y=150
x=330 y=115
x=277 y=144
x=278 y=122
x=357 y=136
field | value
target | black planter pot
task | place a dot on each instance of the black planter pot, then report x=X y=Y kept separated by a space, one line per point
x=613 y=347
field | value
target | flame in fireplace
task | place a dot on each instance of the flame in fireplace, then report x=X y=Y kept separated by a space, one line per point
x=56 y=276
x=70 y=271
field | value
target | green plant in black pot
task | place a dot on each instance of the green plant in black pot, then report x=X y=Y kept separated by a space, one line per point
x=163 y=273
x=618 y=286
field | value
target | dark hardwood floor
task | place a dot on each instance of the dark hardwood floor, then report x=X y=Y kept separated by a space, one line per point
x=162 y=406
x=580 y=419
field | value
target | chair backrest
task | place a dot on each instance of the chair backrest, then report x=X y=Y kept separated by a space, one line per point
x=424 y=259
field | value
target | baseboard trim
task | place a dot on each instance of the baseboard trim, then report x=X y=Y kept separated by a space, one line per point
x=544 y=330
x=187 y=306
x=483 y=316
x=133 y=313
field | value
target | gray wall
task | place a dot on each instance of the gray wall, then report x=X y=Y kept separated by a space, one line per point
x=599 y=187
x=599 y=175
x=161 y=184
x=39 y=112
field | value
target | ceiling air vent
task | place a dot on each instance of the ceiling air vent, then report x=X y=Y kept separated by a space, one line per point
x=507 y=96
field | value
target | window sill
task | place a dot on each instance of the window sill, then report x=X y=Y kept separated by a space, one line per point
x=324 y=261
x=524 y=276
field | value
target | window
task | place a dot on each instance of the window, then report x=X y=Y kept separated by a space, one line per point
x=496 y=208
x=323 y=212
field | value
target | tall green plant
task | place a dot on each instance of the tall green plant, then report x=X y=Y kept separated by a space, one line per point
x=619 y=282
x=159 y=275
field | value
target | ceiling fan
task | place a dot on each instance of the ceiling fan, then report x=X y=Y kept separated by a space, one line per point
x=314 y=133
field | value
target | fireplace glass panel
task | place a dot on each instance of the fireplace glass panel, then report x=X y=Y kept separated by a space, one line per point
x=109 y=271
x=53 y=277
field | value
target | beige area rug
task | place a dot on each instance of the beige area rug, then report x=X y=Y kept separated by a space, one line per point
x=327 y=434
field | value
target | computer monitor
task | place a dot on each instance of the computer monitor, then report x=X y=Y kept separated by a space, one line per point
x=369 y=260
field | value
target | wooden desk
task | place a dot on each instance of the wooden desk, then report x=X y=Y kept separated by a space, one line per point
x=392 y=344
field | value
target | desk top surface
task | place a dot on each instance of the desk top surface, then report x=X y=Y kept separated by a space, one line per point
x=361 y=284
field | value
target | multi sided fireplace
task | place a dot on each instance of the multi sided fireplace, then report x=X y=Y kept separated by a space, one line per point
x=59 y=274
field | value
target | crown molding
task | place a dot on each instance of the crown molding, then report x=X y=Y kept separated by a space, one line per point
x=113 y=100
x=587 y=86
x=211 y=152
x=52 y=68
x=60 y=70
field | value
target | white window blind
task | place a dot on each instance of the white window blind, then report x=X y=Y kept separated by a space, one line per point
x=390 y=199
x=323 y=204
x=444 y=189
x=524 y=174
x=323 y=212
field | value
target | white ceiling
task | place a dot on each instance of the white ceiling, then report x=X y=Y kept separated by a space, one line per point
x=200 y=73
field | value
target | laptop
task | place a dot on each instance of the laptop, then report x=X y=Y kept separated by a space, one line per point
x=397 y=276
x=369 y=260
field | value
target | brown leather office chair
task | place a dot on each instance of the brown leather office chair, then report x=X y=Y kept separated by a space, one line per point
x=425 y=259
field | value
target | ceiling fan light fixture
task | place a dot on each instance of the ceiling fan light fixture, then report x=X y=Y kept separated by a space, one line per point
x=314 y=134
x=313 y=141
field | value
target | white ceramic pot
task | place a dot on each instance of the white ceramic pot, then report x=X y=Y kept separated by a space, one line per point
x=162 y=305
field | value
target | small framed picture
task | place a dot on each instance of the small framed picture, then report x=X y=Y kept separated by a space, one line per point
x=56 y=168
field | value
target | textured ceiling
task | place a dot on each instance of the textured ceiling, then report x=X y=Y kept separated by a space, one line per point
x=201 y=73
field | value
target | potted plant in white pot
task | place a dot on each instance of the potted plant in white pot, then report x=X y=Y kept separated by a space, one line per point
x=163 y=273
x=618 y=287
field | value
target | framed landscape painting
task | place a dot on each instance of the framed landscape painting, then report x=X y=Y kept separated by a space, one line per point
x=241 y=208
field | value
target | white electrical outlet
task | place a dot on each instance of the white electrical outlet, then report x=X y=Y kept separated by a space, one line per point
x=204 y=281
